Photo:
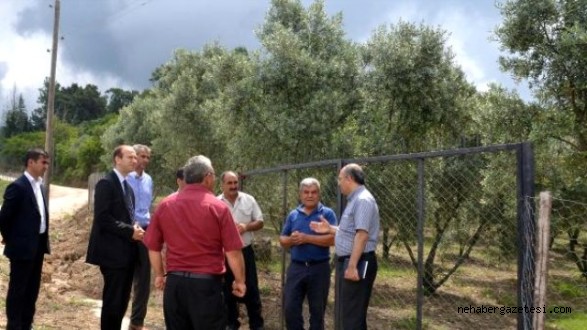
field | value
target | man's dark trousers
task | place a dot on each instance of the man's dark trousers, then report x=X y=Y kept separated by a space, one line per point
x=141 y=286
x=251 y=299
x=311 y=280
x=352 y=298
x=23 y=289
x=193 y=303
x=117 y=287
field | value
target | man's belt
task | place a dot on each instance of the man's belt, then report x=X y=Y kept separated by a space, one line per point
x=342 y=258
x=196 y=275
x=309 y=262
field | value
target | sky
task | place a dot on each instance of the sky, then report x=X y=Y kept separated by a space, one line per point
x=118 y=43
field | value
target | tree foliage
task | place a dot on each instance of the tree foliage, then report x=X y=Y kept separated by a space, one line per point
x=416 y=96
x=16 y=119
x=73 y=104
x=546 y=43
x=119 y=98
x=305 y=85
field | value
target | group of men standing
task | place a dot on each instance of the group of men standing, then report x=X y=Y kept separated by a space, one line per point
x=198 y=246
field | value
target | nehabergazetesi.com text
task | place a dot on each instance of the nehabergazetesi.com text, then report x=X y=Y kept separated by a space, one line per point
x=503 y=310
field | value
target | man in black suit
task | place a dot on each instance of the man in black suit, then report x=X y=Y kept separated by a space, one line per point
x=114 y=236
x=24 y=225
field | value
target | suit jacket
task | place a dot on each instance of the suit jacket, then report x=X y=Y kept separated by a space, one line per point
x=20 y=221
x=111 y=244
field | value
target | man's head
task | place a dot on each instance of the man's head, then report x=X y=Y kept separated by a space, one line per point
x=125 y=159
x=310 y=193
x=143 y=157
x=229 y=184
x=36 y=162
x=179 y=179
x=198 y=169
x=350 y=177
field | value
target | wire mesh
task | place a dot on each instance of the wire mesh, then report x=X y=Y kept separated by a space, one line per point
x=470 y=237
x=567 y=269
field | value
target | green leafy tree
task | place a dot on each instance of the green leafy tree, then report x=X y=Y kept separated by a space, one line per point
x=39 y=115
x=501 y=116
x=416 y=96
x=12 y=148
x=304 y=86
x=119 y=98
x=545 y=40
x=175 y=117
x=16 y=119
x=73 y=104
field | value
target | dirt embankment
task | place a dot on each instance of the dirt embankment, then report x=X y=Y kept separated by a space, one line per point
x=71 y=289
x=66 y=280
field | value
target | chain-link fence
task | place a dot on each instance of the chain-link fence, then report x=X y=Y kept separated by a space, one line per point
x=566 y=279
x=457 y=234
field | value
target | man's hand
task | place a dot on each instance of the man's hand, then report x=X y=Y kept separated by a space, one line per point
x=241 y=228
x=298 y=238
x=160 y=282
x=138 y=233
x=239 y=289
x=321 y=227
x=351 y=274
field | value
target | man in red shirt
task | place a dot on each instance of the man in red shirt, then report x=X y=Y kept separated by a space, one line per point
x=198 y=230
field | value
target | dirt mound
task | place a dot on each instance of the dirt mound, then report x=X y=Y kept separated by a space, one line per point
x=71 y=289
x=67 y=281
x=67 y=262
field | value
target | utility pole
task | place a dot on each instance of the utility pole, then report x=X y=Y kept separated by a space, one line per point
x=51 y=100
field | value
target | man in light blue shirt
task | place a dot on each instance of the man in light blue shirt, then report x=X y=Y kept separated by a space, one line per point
x=142 y=186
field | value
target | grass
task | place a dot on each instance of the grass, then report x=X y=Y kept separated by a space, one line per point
x=569 y=290
x=3 y=185
x=573 y=321
x=486 y=278
x=388 y=271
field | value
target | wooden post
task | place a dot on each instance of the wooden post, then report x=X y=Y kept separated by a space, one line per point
x=542 y=241
x=49 y=143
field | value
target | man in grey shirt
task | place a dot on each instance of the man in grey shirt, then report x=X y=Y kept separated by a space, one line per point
x=355 y=244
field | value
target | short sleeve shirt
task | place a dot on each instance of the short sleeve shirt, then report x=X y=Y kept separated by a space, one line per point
x=298 y=220
x=197 y=228
x=361 y=212
x=245 y=210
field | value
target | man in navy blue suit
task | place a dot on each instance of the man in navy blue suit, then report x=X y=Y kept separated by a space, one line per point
x=24 y=225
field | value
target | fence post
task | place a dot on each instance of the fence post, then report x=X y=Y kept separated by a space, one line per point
x=340 y=203
x=283 y=251
x=542 y=257
x=421 y=215
x=339 y=197
x=526 y=235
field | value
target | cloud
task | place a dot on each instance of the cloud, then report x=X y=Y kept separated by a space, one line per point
x=118 y=43
x=25 y=54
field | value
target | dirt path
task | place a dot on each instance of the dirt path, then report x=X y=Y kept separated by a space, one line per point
x=65 y=201
x=64 y=302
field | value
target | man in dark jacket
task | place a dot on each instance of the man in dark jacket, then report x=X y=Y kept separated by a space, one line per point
x=114 y=237
x=24 y=225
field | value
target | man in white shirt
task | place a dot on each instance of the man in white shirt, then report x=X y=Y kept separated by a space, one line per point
x=248 y=218
x=24 y=224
